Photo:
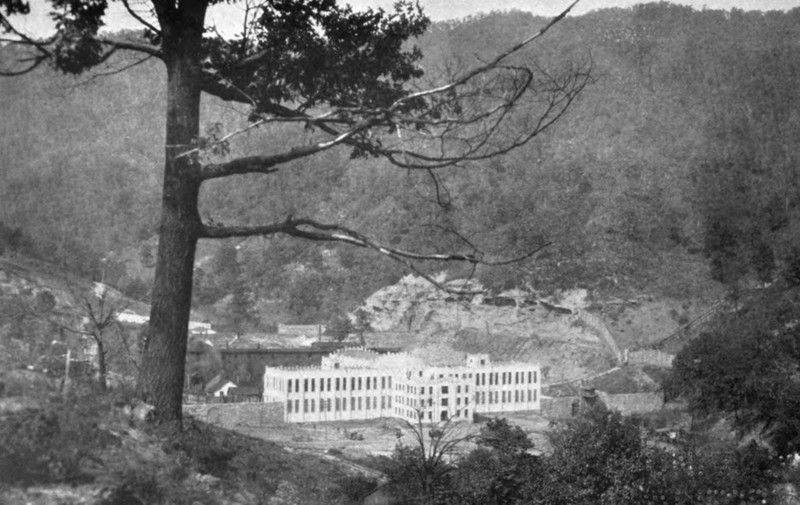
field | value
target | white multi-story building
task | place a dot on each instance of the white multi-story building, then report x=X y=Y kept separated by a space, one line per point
x=358 y=384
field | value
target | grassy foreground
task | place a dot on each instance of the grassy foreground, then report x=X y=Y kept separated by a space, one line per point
x=85 y=447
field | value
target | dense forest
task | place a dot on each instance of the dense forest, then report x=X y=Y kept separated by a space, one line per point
x=675 y=170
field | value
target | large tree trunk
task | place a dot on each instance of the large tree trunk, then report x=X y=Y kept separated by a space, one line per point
x=161 y=376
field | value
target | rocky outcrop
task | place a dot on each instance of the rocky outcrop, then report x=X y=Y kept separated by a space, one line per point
x=512 y=325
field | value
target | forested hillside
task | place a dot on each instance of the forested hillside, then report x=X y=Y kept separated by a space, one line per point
x=675 y=169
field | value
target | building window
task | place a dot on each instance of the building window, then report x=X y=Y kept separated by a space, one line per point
x=305 y=385
x=458 y=401
x=337 y=403
x=534 y=395
x=297 y=405
x=445 y=390
x=458 y=389
x=390 y=382
x=359 y=403
x=352 y=383
x=290 y=385
x=359 y=383
x=444 y=402
x=529 y=377
x=329 y=383
x=289 y=406
x=305 y=405
x=383 y=382
x=389 y=405
x=534 y=377
x=337 y=383
x=516 y=396
x=368 y=381
x=352 y=403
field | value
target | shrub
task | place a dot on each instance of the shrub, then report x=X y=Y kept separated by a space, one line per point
x=48 y=444
x=356 y=487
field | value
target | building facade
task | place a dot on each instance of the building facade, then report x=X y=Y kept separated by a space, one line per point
x=355 y=384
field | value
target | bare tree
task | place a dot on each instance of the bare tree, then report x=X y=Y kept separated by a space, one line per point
x=347 y=77
x=430 y=457
x=98 y=312
x=101 y=319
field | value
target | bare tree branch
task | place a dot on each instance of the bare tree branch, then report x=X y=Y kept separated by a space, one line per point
x=467 y=119
x=266 y=164
x=492 y=64
x=131 y=46
x=30 y=68
x=113 y=72
x=314 y=230
x=135 y=15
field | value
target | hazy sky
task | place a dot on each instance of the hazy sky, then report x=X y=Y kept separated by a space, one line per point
x=447 y=9
x=437 y=9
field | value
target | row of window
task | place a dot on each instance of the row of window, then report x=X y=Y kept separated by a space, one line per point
x=505 y=396
x=338 y=404
x=450 y=375
x=367 y=383
x=338 y=384
x=414 y=402
x=502 y=378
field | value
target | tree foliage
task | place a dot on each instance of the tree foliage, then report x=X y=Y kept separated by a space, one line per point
x=747 y=368
x=603 y=458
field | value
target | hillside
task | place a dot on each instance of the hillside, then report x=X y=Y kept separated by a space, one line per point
x=673 y=174
x=86 y=448
x=43 y=313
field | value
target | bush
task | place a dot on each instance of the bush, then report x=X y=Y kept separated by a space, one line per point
x=356 y=487
x=48 y=444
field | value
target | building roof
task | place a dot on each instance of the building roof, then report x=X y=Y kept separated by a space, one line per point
x=358 y=354
x=244 y=391
x=218 y=382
